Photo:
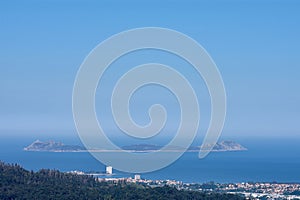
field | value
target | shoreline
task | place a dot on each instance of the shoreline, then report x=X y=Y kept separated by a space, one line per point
x=129 y=151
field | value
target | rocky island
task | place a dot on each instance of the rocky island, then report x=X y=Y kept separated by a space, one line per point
x=220 y=146
x=52 y=146
x=225 y=146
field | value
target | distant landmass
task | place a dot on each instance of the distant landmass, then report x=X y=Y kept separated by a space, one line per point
x=220 y=146
x=225 y=146
x=52 y=146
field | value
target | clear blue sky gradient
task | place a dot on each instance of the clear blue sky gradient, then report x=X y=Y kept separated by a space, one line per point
x=255 y=44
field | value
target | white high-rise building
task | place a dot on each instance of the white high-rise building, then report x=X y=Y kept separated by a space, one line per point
x=109 y=169
x=137 y=177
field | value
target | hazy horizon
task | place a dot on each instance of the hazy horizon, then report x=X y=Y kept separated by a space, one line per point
x=254 y=44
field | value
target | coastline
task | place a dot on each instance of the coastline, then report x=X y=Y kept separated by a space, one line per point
x=130 y=151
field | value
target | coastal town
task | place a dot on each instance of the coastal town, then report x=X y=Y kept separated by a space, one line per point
x=249 y=190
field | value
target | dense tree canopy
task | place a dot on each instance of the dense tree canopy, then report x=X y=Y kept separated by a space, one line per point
x=18 y=183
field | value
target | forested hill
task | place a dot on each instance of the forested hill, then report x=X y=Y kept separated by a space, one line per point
x=18 y=183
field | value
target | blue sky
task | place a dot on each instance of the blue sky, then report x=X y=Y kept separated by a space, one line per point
x=255 y=44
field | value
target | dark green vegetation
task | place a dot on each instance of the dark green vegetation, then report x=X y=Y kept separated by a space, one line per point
x=18 y=183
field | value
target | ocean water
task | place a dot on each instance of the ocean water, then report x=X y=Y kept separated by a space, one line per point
x=266 y=160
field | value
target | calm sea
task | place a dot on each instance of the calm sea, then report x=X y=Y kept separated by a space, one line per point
x=267 y=160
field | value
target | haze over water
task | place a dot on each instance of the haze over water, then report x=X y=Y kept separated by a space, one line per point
x=265 y=161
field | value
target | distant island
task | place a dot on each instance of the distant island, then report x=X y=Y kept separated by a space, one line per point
x=220 y=146
x=52 y=146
